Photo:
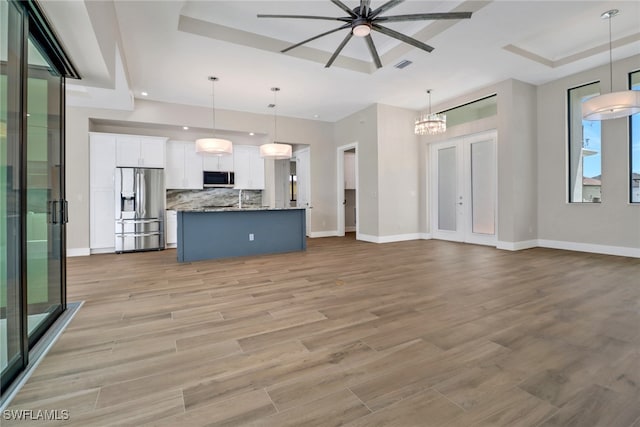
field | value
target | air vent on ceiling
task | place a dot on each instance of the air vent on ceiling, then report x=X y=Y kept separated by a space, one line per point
x=271 y=105
x=402 y=64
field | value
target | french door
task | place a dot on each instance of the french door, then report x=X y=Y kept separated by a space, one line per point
x=464 y=189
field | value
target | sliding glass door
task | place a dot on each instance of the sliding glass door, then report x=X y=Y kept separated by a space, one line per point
x=12 y=355
x=32 y=206
x=44 y=192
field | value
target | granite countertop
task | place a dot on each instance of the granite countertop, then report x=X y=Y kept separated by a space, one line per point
x=233 y=209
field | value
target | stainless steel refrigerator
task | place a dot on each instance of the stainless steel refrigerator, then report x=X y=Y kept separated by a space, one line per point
x=140 y=203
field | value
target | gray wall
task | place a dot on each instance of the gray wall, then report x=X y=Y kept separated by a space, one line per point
x=398 y=167
x=614 y=222
x=393 y=163
x=362 y=128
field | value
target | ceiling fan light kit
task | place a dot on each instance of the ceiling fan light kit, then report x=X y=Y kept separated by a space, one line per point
x=274 y=150
x=431 y=123
x=362 y=20
x=612 y=105
x=214 y=146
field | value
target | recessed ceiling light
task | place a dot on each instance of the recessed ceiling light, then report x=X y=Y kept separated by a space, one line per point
x=144 y=93
x=315 y=116
x=251 y=133
x=185 y=127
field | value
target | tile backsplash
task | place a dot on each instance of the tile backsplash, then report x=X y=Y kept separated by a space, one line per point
x=212 y=197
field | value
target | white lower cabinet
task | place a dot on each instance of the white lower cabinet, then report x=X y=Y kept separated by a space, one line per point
x=171 y=229
x=102 y=208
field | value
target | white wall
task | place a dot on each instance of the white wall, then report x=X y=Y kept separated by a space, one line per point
x=317 y=134
x=612 y=223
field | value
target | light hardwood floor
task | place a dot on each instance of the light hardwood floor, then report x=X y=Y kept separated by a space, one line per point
x=421 y=333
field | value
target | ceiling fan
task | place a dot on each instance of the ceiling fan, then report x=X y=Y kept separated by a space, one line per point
x=362 y=20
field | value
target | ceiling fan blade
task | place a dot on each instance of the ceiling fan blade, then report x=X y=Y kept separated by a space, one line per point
x=399 y=36
x=374 y=52
x=315 y=37
x=365 y=6
x=424 y=16
x=388 y=5
x=326 y=18
x=344 y=7
x=339 y=49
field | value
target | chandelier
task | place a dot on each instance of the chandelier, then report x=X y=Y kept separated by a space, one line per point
x=431 y=123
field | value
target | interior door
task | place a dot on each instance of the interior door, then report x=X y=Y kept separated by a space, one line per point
x=303 y=173
x=464 y=189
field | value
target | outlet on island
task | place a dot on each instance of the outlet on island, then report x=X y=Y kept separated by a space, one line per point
x=251 y=237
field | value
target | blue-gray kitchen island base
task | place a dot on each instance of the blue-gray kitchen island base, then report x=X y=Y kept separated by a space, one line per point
x=223 y=233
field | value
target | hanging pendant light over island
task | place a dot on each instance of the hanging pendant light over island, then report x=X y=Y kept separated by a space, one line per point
x=275 y=150
x=213 y=145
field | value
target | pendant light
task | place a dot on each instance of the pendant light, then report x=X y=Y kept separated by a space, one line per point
x=431 y=123
x=274 y=150
x=213 y=145
x=611 y=105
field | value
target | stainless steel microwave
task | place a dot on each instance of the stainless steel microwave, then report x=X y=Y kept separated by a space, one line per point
x=217 y=179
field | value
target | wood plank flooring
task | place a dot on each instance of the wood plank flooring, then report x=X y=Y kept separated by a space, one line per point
x=421 y=333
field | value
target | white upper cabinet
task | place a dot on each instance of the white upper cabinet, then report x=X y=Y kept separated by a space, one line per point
x=102 y=160
x=248 y=167
x=140 y=151
x=349 y=171
x=222 y=163
x=184 y=166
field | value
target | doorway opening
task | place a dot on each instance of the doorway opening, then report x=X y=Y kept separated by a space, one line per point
x=300 y=183
x=347 y=190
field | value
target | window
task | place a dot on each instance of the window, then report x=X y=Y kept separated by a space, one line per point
x=634 y=148
x=475 y=110
x=585 y=160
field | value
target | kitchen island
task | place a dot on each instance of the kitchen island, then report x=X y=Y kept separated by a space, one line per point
x=230 y=232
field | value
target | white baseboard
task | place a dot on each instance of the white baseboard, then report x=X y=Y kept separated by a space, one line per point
x=71 y=252
x=349 y=229
x=590 y=247
x=103 y=251
x=390 y=239
x=517 y=246
x=314 y=234
x=425 y=236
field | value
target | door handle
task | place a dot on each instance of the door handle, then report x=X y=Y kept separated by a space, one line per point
x=460 y=203
x=65 y=212
x=53 y=211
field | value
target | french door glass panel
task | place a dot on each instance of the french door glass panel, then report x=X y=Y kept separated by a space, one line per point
x=44 y=178
x=447 y=188
x=483 y=191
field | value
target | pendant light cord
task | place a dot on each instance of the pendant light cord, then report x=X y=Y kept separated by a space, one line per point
x=610 y=58
x=275 y=91
x=213 y=103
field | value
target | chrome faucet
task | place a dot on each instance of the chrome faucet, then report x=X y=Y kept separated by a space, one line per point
x=240 y=199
